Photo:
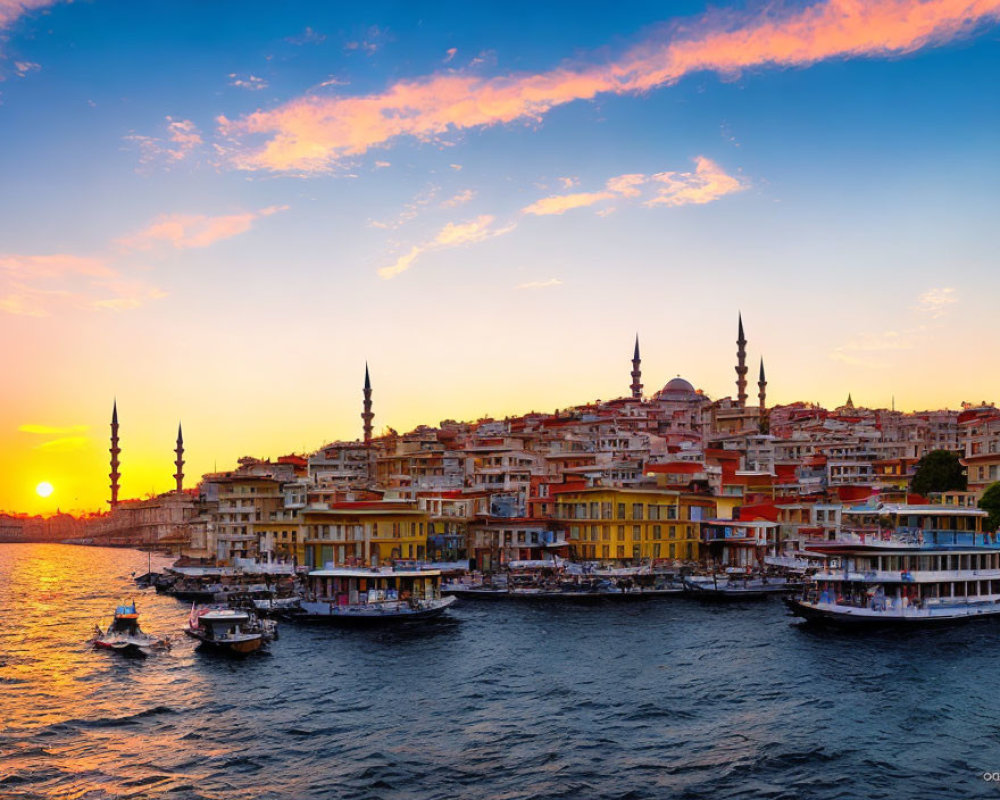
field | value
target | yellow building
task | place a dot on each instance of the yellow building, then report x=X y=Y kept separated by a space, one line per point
x=364 y=533
x=607 y=524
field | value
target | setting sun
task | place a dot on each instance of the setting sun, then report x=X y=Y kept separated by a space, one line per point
x=44 y=489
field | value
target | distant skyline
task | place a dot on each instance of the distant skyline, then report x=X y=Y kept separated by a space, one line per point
x=218 y=214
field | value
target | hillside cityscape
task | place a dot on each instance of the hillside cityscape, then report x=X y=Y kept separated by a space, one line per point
x=557 y=485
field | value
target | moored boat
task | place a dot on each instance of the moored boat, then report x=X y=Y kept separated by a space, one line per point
x=738 y=586
x=372 y=597
x=125 y=636
x=905 y=566
x=225 y=630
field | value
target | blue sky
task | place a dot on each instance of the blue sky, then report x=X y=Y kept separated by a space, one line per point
x=843 y=197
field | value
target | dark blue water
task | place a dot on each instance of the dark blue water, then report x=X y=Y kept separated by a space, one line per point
x=660 y=699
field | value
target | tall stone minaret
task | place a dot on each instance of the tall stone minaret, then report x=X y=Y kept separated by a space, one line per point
x=179 y=463
x=636 y=386
x=762 y=396
x=115 y=450
x=367 y=414
x=741 y=367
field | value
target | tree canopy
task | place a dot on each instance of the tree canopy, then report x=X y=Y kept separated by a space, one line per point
x=990 y=501
x=938 y=471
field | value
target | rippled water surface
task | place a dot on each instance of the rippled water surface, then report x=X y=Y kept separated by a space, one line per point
x=657 y=699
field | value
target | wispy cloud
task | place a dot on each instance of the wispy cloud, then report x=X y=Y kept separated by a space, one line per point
x=183 y=231
x=182 y=138
x=561 y=203
x=308 y=36
x=935 y=303
x=252 y=83
x=369 y=42
x=12 y=10
x=22 y=68
x=880 y=350
x=312 y=133
x=68 y=437
x=411 y=210
x=451 y=235
x=449 y=54
x=53 y=430
x=708 y=182
x=540 y=284
x=872 y=349
x=459 y=199
x=39 y=285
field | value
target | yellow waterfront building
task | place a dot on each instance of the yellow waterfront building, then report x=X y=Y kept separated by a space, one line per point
x=364 y=534
x=608 y=524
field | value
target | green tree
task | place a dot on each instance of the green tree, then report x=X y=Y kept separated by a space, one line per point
x=990 y=501
x=938 y=471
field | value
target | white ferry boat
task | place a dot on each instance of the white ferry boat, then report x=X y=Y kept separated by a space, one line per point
x=376 y=596
x=905 y=565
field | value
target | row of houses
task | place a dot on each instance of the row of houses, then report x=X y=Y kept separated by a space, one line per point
x=639 y=478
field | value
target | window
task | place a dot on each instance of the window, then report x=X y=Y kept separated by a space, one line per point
x=621 y=511
x=636 y=510
x=606 y=533
x=657 y=532
x=605 y=552
x=605 y=510
x=593 y=511
x=656 y=551
x=654 y=512
x=671 y=512
x=673 y=532
x=636 y=533
x=673 y=550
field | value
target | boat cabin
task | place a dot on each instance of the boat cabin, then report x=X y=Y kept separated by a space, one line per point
x=355 y=586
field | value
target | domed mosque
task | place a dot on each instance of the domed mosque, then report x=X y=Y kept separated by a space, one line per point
x=678 y=390
x=680 y=399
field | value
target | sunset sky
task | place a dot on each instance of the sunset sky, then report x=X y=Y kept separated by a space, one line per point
x=218 y=212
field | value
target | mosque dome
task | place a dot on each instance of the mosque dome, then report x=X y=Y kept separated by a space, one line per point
x=677 y=389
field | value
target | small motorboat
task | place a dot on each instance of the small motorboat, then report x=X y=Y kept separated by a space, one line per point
x=125 y=636
x=229 y=630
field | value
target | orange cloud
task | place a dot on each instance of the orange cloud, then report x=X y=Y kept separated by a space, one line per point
x=707 y=183
x=459 y=199
x=312 y=133
x=35 y=286
x=451 y=235
x=184 y=231
x=561 y=203
x=181 y=140
x=10 y=10
x=936 y=302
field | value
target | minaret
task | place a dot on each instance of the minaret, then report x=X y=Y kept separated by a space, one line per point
x=367 y=414
x=741 y=367
x=115 y=450
x=636 y=386
x=179 y=463
x=762 y=395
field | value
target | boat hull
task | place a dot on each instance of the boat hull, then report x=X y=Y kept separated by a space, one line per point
x=240 y=647
x=838 y=616
x=531 y=596
x=367 y=617
x=125 y=648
